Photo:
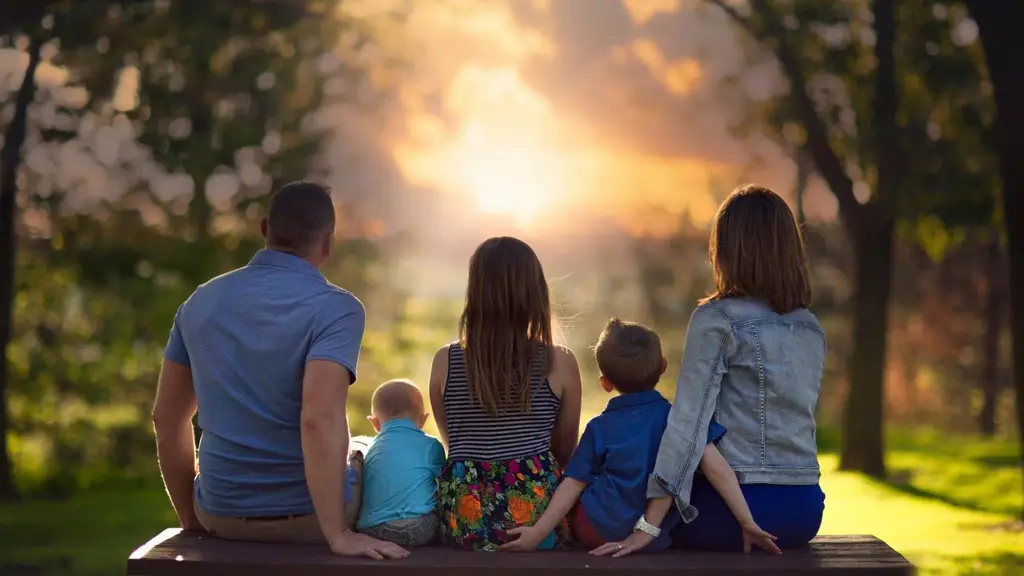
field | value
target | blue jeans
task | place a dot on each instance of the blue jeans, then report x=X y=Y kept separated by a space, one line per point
x=792 y=513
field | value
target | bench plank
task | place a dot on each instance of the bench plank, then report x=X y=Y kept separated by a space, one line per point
x=174 y=553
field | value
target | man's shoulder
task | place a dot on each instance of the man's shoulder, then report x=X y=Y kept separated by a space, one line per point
x=214 y=288
x=340 y=299
x=223 y=281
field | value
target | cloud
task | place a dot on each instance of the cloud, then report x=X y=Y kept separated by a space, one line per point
x=645 y=73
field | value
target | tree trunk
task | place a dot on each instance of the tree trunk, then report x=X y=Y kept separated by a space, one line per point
x=999 y=25
x=10 y=160
x=990 y=345
x=863 y=437
x=863 y=416
x=870 y=226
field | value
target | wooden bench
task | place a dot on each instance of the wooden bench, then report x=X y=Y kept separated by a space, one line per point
x=173 y=553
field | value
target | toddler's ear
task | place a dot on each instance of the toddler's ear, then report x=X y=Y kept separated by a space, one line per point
x=375 y=422
x=606 y=384
x=423 y=420
x=664 y=365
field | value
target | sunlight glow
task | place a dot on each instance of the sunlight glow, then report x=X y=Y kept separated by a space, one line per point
x=506 y=177
x=501 y=146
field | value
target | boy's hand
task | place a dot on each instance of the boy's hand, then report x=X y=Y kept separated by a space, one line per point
x=753 y=535
x=527 y=538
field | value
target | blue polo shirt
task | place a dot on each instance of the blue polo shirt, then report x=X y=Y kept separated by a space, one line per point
x=400 y=473
x=247 y=336
x=615 y=457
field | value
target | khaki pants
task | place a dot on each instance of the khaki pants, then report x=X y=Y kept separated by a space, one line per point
x=286 y=530
x=303 y=529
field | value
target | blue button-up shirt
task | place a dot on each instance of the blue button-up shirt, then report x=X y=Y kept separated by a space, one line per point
x=247 y=336
x=615 y=456
x=400 y=474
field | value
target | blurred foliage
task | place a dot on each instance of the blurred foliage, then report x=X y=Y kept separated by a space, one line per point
x=155 y=95
x=98 y=281
x=949 y=178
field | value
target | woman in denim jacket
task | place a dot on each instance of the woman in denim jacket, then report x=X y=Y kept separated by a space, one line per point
x=753 y=361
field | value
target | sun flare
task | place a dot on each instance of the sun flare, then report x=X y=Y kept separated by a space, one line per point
x=514 y=177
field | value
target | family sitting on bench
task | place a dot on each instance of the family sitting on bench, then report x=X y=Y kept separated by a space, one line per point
x=266 y=354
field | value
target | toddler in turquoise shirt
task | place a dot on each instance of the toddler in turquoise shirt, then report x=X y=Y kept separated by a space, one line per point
x=400 y=469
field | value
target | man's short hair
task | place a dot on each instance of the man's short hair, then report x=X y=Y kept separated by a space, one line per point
x=629 y=356
x=300 y=215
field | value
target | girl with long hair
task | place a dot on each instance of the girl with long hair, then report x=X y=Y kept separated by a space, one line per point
x=506 y=400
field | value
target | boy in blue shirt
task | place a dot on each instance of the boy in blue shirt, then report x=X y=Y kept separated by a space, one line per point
x=604 y=486
x=400 y=470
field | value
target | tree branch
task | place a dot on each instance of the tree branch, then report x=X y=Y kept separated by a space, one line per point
x=738 y=18
x=817 y=145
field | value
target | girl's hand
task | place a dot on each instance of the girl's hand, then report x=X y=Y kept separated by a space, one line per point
x=527 y=538
x=753 y=535
x=636 y=541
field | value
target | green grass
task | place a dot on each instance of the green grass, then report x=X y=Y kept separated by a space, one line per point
x=945 y=514
x=951 y=518
x=89 y=534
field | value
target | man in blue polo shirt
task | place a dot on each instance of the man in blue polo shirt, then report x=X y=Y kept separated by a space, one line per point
x=266 y=353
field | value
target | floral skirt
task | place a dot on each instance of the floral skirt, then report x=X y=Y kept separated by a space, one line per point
x=480 y=501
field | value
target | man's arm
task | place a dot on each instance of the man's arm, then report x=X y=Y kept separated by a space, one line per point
x=324 y=431
x=330 y=370
x=173 y=409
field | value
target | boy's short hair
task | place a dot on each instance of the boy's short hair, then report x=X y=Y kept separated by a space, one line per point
x=629 y=356
x=397 y=398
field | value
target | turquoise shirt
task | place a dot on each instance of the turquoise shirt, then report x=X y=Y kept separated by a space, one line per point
x=400 y=474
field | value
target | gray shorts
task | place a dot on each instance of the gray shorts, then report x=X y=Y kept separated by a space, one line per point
x=411 y=532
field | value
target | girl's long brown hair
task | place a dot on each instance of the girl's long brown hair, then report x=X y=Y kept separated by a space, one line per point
x=505 y=324
x=757 y=250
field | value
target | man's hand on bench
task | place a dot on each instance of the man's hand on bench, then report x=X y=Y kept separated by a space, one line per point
x=349 y=543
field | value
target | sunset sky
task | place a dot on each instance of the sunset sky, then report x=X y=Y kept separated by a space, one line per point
x=545 y=119
x=594 y=108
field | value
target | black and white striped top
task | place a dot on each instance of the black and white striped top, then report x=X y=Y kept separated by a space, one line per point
x=473 y=434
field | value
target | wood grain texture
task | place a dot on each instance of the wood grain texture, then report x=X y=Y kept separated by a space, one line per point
x=175 y=553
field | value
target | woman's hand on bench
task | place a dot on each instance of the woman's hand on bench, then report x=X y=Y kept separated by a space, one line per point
x=635 y=541
x=350 y=543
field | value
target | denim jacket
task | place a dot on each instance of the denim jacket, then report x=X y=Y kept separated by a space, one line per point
x=758 y=373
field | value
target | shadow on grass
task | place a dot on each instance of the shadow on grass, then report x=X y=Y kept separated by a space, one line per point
x=1000 y=564
x=57 y=567
x=1000 y=460
x=900 y=484
x=977 y=489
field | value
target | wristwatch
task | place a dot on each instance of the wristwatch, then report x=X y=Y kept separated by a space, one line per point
x=642 y=525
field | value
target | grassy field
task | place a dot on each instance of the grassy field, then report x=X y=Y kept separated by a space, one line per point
x=950 y=513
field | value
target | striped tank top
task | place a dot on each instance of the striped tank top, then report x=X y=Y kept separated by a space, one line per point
x=473 y=434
